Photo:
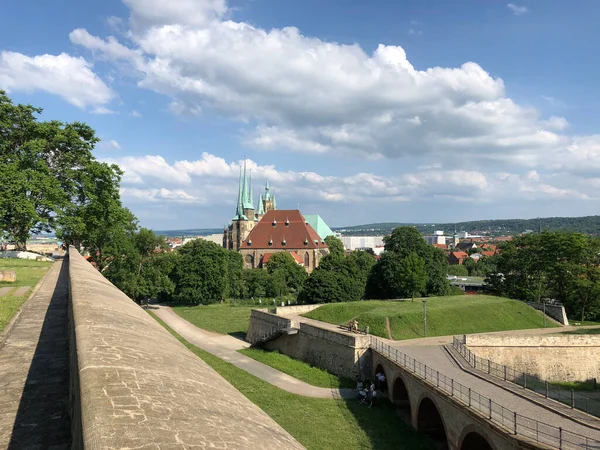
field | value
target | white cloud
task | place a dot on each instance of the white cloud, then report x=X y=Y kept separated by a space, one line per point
x=110 y=144
x=135 y=113
x=517 y=9
x=102 y=110
x=135 y=195
x=66 y=76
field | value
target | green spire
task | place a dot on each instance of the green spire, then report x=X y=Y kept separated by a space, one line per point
x=267 y=193
x=274 y=202
x=246 y=192
x=239 y=213
x=260 y=209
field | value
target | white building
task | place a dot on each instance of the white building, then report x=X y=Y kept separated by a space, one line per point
x=437 y=238
x=353 y=242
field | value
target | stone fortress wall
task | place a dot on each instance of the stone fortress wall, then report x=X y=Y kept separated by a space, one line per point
x=551 y=358
x=134 y=385
x=339 y=353
x=558 y=313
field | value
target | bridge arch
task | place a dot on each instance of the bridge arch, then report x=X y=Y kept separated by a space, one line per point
x=472 y=438
x=430 y=421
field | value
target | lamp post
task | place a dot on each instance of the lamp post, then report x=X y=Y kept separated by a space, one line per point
x=544 y=313
x=424 y=317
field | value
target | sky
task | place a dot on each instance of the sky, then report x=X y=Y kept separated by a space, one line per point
x=360 y=111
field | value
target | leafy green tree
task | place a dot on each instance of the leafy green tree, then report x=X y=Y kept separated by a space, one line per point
x=406 y=240
x=201 y=274
x=412 y=274
x=256 y=283
x=326 y=286
x=235 y=281
x=132 y=266
x=288 y=270
x=40 y=165
x=335 y=245
x=384 y=280
x=436 y=266
x=458 y=270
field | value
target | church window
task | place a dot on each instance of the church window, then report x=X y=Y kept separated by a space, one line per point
x=249 y=260
x=306 y=260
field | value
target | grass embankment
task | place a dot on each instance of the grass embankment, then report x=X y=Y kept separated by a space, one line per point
x=28 y=274
x=319 y=423
x=445 y=316
x=220 y=318
x=298 y=369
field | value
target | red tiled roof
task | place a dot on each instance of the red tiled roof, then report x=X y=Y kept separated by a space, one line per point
x=459 y=255
x=267 y=256
x=442 y=246
x=279 y=226
x=490 y=253
x=297 y=257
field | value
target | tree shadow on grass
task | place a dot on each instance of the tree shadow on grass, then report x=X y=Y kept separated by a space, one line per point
x=384 y=428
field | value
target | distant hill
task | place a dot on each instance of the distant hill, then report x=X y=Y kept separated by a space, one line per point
x=497 y=227
x=188 y=233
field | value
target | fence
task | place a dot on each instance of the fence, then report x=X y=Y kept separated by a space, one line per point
x=512 y=422
x=549 y=390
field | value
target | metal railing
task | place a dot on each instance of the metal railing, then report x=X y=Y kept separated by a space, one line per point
x=513 y=423
x=549 y=390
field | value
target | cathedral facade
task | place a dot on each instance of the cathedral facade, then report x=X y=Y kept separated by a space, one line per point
x=246 y=217
x=259 y=233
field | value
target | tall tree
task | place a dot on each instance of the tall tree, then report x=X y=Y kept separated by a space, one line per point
x=286 y=273
x=336 y=247
x=412 y=275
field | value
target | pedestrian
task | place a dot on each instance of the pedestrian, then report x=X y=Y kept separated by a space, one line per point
x=381 y=381
x=359 y=383
x=372 y=396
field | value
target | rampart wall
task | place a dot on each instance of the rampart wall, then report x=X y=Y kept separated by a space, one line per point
x=295 y=310
x=263 y=325
x=133 y=385
x=551 y=358
x=558 y=313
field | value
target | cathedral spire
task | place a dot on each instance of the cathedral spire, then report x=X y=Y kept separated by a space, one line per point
x=246 y=192
x=239 y=213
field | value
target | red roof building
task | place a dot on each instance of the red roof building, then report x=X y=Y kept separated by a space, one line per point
x=457 y=258
x=283 y=230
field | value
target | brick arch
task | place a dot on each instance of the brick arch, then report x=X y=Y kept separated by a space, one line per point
x=430 y=420
x=473 y=437
x=380 y=367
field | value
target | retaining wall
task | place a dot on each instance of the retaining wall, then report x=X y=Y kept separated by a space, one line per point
x=295 y=310
x=342 y=354
x=263 y=324
x=133 y=385
x=551 y=358
x=558 y=313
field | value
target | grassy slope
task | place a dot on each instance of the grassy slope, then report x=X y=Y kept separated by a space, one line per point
x=445 y=315
x=298 y=369
x=319 y=423
x=28 y=274
x=223 y=319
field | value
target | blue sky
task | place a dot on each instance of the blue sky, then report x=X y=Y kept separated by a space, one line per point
x=429 y=111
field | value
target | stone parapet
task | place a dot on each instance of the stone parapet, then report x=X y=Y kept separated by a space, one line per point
x=8 y=275
x=558 y=313
x=264 y=325
x=135 y=386
x=553 y=358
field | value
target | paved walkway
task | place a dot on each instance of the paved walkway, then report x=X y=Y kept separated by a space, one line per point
x=435 y=356
x=34 y=371
x=225 y=347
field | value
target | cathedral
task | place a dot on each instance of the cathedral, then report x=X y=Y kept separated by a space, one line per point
x=259 y=233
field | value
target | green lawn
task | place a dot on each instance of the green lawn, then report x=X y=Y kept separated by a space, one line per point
x=576 y=385
x=319 y=423
x=445 y=316
x=225 y=319
x=28 y=274
x=298 y=369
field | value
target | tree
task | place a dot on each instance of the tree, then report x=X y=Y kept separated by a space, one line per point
x=40 y=164
x=135 y=266
x=201 y=275
x=286 y=273
x=335 y=245
x=256 y=283
x=325 y=286
x=412 y=274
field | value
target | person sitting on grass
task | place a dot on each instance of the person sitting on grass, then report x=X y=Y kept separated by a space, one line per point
x=359 y=383
x=361 y=396
x=373 y=394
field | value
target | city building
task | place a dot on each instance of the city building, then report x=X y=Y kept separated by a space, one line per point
x=246 y=217
x=283 y=231
x=361 y=242
x=437 y=238
x=259 y=233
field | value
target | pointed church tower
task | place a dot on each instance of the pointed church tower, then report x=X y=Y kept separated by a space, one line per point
x=244 y=219
x=268 y=199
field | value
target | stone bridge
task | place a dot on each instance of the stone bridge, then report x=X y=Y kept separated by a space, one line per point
x=458 y=417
